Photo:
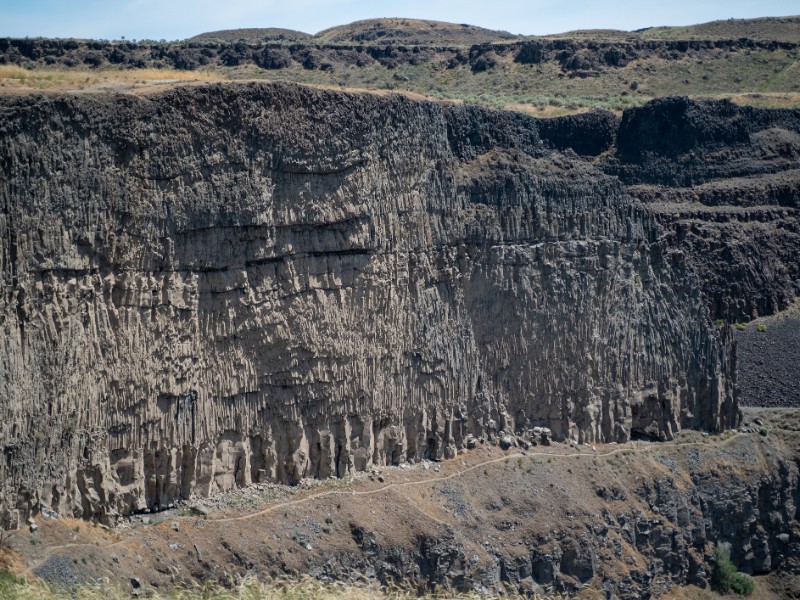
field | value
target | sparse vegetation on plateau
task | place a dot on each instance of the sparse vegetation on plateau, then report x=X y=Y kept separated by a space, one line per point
x=449 y=62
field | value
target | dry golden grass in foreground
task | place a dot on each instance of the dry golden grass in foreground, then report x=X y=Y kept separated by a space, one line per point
x=302 y=589
x=306 y=588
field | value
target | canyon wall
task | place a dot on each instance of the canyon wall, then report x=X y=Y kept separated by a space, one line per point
x=723 y=181
x=220 y=285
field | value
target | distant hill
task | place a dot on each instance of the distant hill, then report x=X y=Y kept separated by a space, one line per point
x=418 y=32
x=780 y=29
x=596 y=34
x=266 y=34
x=410 y=32
x=777 y=29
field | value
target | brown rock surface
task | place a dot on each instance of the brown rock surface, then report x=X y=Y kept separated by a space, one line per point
x=633 y=520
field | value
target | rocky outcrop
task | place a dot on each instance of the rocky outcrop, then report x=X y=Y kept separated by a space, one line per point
x=587 y=134
x=626 y=522
x=680 y=142
x=221 y=285
x=572 y=57
x=723 y=181
x=639 y=545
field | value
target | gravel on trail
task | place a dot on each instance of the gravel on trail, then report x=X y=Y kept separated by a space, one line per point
x=63 y=572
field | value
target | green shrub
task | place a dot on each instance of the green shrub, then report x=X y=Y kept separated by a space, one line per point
x=762 y=327
x=8 y=583
x=763 y=431
x=741 y=326
x=727 y=578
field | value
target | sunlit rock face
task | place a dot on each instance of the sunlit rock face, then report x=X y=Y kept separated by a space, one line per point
x=220 y=285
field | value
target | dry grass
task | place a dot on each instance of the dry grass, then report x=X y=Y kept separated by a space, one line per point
x=495 y=90
x=777 y=100
x=375 y=91
x=546 y=111
x=250 y=588
x=19 y=79
x=310 y=589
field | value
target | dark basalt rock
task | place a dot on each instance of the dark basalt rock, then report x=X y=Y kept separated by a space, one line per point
x=716 y=176
x=673 y=126
x=222 y=285
x=587 y=134
x=682 y=142
x=268 y=282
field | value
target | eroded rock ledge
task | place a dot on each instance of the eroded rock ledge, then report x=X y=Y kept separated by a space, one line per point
x=219 y=285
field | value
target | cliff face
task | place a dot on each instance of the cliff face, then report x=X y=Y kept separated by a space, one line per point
x=227 y=284
x=724 y=182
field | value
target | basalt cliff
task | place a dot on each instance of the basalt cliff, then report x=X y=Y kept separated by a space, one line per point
x=219 y=285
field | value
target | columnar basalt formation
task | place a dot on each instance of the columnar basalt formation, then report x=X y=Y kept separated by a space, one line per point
x=724 y=182
x=219 y=285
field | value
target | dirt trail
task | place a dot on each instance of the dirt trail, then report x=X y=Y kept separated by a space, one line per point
x=634 y=448
x=460 y=472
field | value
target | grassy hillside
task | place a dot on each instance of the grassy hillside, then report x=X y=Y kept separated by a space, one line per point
x=422 y=32
x=252 y=35
x=595 y=34
x=593 y=69
x=410 y=32
x=759 y=77
x=415 y=32
x=777 y=29
x=781 y=29
x=450 y=61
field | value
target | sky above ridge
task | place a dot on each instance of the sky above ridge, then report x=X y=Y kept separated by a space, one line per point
x=179 y=19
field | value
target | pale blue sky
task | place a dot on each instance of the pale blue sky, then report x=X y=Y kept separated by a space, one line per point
x=178 y=19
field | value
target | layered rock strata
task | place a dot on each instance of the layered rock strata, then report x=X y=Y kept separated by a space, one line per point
x=723 y=182
x=221 y=285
